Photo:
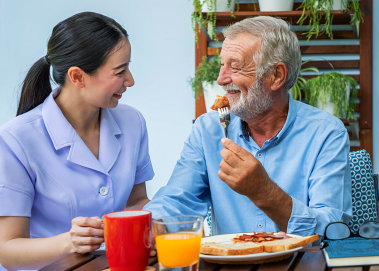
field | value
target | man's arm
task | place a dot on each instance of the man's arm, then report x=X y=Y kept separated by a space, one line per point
x=187 y=191
x=137 y=198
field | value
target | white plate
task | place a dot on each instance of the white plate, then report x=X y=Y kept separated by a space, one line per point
x=226 y=238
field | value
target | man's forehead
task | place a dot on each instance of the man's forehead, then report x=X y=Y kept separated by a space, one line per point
x=245 y=36
x=237 y=45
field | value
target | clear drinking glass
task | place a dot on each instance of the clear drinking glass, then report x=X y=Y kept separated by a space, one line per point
x=178 y=241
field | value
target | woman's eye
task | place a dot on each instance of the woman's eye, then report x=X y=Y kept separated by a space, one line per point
x=120 y=73
x=236 y=68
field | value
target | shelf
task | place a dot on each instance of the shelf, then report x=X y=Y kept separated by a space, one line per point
x=225 y=18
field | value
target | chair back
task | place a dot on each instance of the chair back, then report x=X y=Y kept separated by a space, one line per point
x=364 y=197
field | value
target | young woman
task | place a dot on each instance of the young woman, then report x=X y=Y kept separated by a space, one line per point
x=72 y=154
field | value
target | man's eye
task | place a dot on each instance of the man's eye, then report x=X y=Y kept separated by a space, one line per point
x=236 y=68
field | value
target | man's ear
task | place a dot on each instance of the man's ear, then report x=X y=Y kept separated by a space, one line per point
x=76 y=76
x=278 y=76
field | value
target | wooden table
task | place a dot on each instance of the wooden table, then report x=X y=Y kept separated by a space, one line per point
x=309 y=259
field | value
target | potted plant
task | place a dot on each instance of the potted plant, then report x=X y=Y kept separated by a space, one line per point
x=317 y=10
x=210 y=7
x=205 y=83
x=333 y=92
x=301 y=80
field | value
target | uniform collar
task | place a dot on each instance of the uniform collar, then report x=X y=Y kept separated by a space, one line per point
x=292 y=112
x=62 y=135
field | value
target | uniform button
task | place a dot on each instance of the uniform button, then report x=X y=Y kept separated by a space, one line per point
x=260 y=225
x=103 y=191
x=277 y=142
x=259 y=154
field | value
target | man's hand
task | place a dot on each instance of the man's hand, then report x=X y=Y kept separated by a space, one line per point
x=242 y=171
x=86 y=234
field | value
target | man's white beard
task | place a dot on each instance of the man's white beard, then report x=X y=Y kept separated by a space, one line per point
x=256 y=102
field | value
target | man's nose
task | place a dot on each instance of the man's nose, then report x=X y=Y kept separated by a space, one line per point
x=224 y=77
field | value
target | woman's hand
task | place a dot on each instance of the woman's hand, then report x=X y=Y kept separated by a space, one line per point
x=86 y=234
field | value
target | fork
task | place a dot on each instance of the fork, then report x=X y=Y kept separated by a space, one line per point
x=224 y=115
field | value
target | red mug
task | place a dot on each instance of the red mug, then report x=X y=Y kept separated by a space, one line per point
x=127 y=239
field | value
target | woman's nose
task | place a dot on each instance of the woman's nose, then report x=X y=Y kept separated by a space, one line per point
x=224 y=77
x=129 y=80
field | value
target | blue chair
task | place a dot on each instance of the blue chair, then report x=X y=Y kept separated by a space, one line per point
x=364 y=195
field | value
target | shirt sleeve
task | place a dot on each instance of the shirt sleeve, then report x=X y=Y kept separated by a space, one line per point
x=144 y=170
x=187 y=191
x=16 y=185
x=331 y=173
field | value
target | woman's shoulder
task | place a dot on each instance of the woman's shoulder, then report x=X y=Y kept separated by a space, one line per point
x=22 y=124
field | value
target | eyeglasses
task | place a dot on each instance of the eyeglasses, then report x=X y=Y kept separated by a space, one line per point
x=340 y=231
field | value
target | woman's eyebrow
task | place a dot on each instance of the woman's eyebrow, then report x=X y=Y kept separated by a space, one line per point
x=121 y=66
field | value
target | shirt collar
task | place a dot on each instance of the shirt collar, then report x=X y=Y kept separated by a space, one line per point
x=60 y=130
x=62 y=134
x=291 y=116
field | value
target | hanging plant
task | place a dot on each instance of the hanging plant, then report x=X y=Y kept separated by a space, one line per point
x=317 y=10
x=209 y=20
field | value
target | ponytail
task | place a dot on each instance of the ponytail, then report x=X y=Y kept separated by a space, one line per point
x=36 y=86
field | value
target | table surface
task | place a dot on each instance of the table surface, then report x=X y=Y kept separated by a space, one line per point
x=309 y=259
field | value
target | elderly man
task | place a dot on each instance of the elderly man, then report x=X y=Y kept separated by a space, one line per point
x=285 y=164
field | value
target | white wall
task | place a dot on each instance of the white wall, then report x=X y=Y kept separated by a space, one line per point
x=162 y=62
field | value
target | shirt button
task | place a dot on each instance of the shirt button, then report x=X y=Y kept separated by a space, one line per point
x=259 y=154
x=103 y=191
x=260 y=225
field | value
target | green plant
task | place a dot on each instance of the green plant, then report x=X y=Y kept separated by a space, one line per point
x=209 y=20
x=301 y=81
x=333 y=87
x=316 y=10
x=207 y=71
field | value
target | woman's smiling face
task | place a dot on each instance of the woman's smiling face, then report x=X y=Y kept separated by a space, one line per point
x=106 y=86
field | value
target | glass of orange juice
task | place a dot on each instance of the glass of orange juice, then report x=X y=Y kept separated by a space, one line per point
x=178 y=239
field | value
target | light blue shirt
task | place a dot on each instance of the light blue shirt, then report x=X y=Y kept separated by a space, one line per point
x=308 y=159
x=47 y=172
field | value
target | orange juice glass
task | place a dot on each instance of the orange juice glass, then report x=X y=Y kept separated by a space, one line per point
x=178 y=241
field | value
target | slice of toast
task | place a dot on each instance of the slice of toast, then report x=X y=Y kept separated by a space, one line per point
x=244 y=248
x=227 y=249
x=288 y=243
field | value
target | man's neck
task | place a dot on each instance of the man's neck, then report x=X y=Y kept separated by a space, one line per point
x=267 y=125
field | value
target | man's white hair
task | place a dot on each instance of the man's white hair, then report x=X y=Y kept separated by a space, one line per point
x=278 y=44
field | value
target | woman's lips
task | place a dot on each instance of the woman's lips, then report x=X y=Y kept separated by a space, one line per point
x=118 y=96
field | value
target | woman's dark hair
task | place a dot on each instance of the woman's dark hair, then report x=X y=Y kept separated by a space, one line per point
x=83 y=40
